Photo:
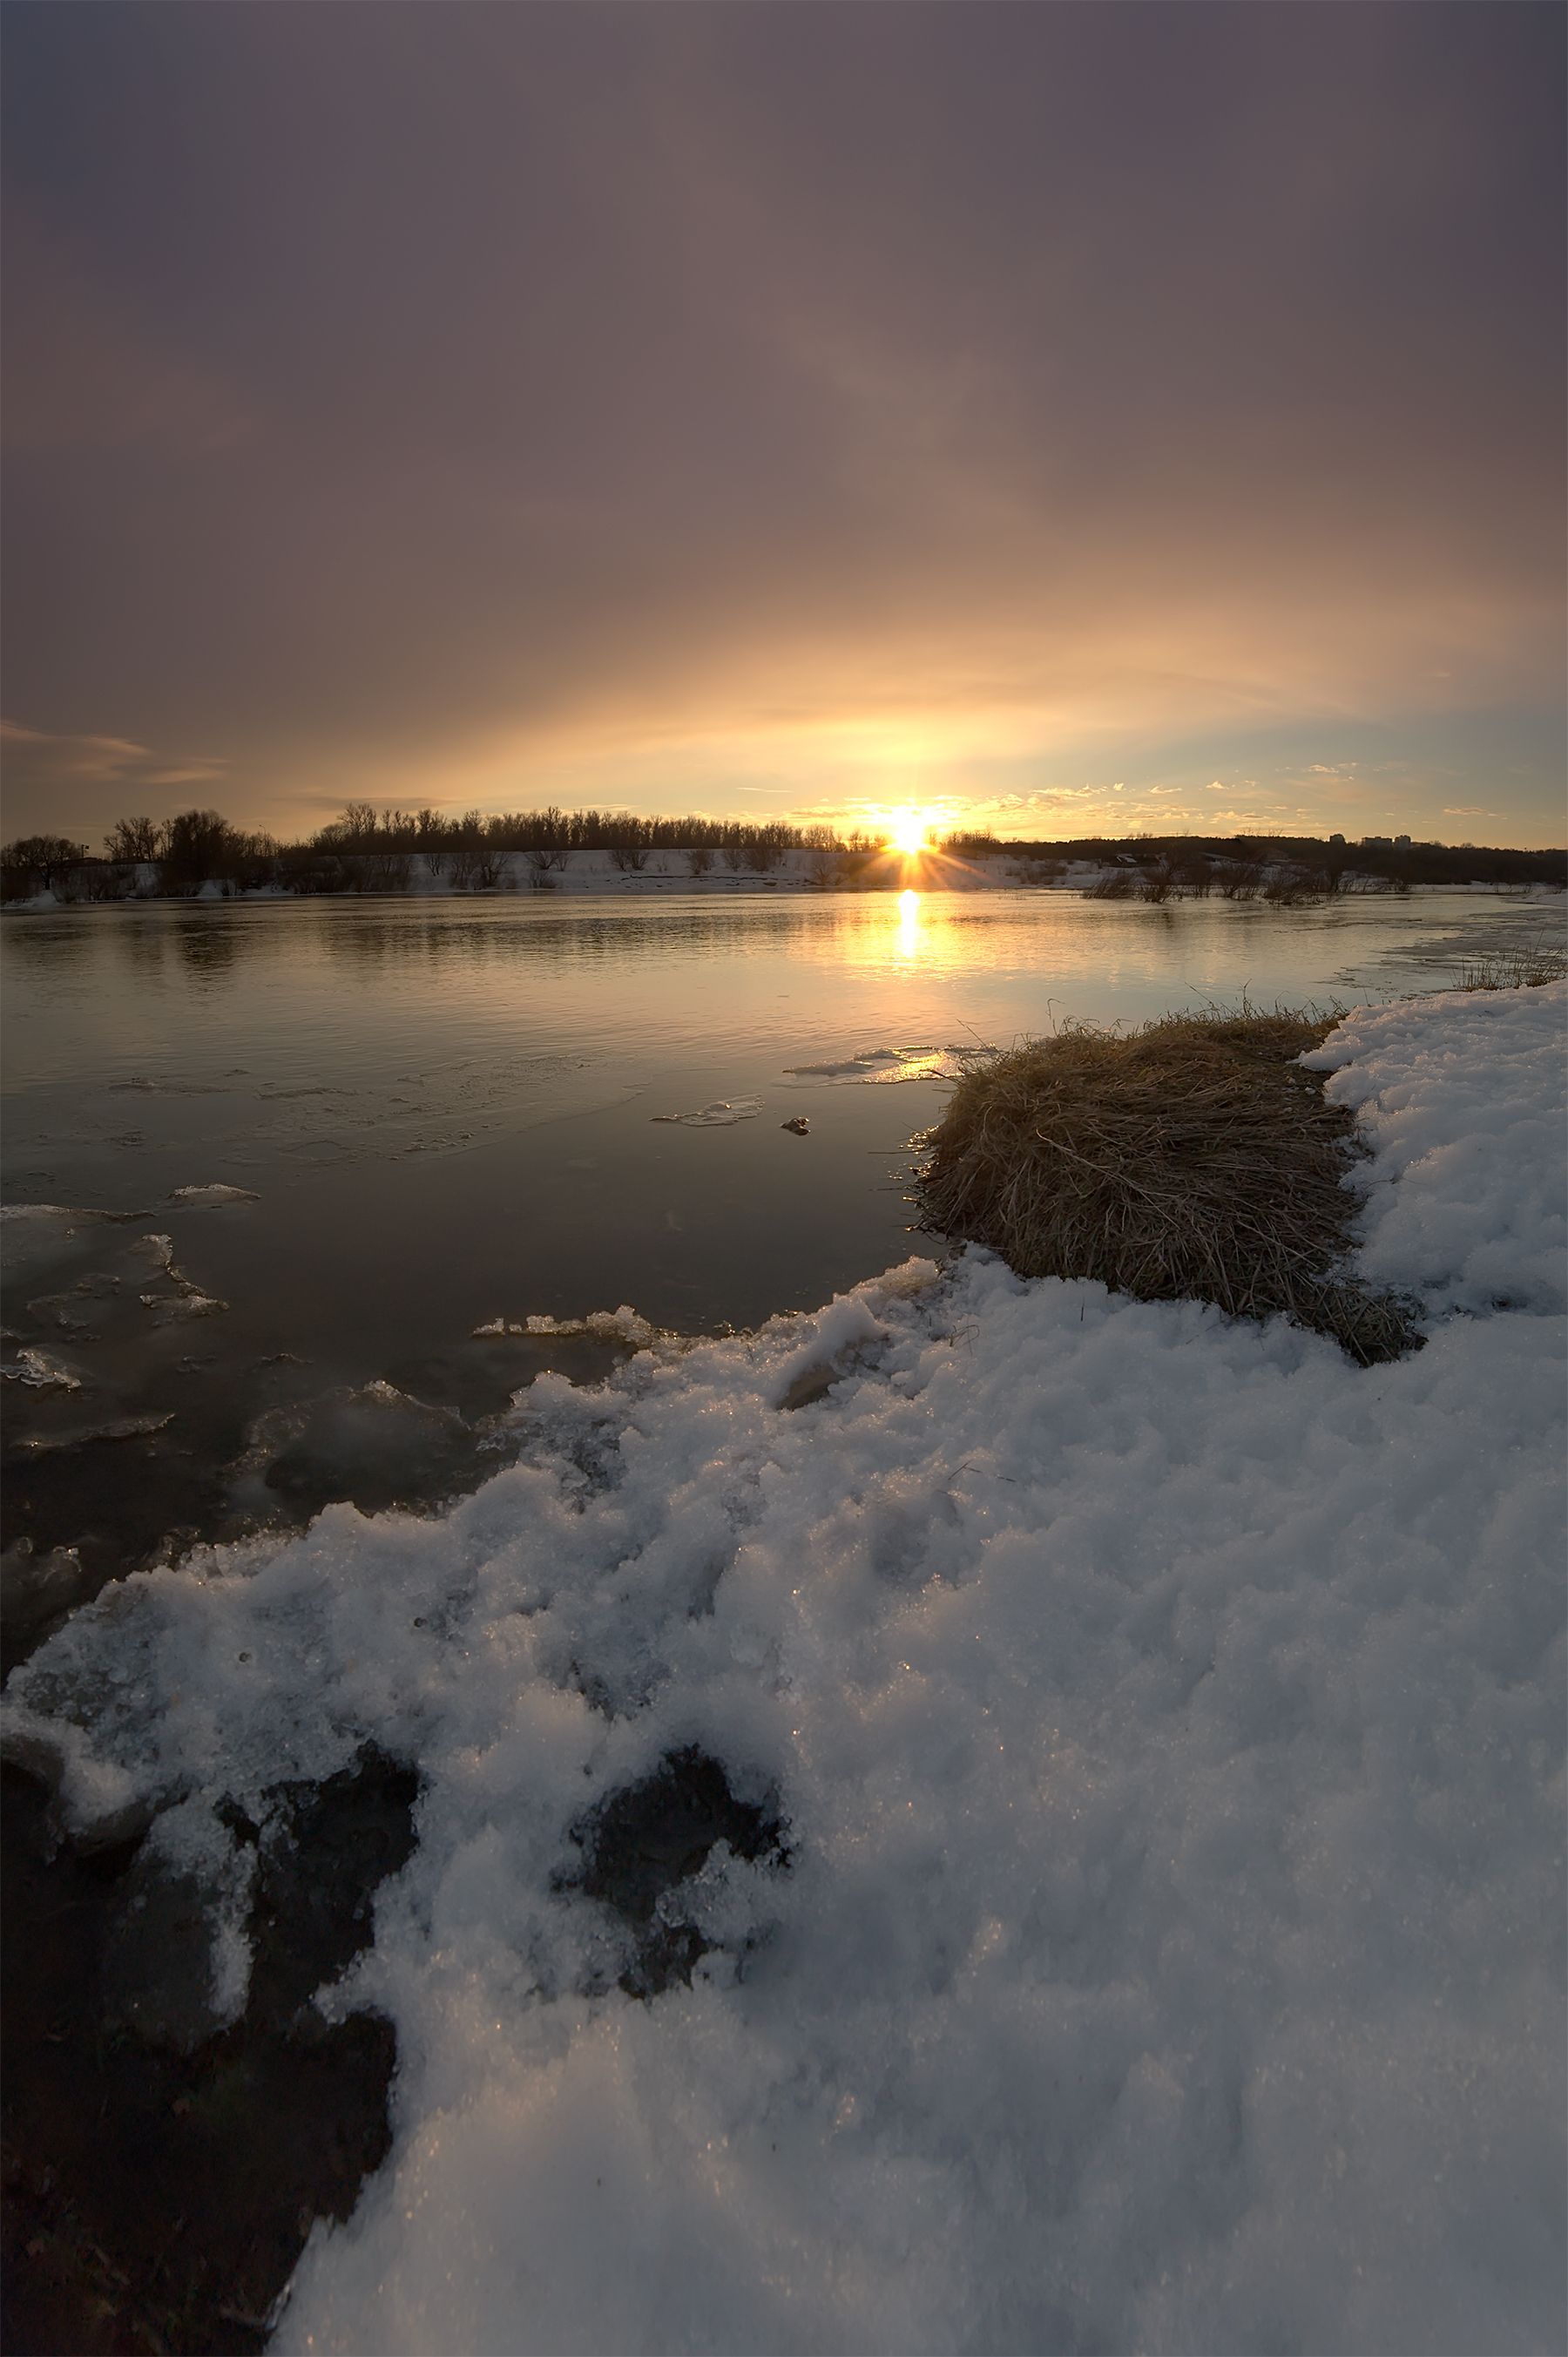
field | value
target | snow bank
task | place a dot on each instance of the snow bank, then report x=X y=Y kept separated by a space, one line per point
x=1165 y=1719
x=1463 y=1099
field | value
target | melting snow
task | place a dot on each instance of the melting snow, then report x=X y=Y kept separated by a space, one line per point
x=1163 y=1719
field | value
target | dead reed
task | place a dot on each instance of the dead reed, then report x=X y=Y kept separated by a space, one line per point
x=1190 y=1160
x=1526 y=968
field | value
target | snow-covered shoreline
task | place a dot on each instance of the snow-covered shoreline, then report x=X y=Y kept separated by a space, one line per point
x=1165 y=1717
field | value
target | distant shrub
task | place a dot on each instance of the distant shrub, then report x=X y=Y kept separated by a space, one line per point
x=1293 y=890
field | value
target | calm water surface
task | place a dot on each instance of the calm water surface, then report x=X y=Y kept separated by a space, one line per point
x=444 y=1112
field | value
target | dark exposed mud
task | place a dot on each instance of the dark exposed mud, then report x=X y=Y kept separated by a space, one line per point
x=160 y=2182
x=641 y=1845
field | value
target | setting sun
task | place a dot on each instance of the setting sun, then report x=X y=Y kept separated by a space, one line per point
x=908 y=833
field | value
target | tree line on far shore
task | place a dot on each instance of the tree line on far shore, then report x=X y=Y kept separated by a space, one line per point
x=366 y=850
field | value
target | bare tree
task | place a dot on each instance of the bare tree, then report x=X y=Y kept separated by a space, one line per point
x=132 y=840
x=50 y=858
x=382 y=871
x=199 y=847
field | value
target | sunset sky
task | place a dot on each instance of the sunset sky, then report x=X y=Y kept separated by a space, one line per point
x=1067 y=418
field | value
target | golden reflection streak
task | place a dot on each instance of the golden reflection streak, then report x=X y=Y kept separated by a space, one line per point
x=908 y=924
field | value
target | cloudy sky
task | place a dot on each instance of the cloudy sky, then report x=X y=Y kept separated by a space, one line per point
x=1083 y=415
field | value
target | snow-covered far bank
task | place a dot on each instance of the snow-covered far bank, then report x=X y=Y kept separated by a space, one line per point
x=669 y=874
x=1162 y=1943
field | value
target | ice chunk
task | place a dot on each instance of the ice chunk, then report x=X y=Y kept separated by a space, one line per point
x=216 y=1193
x=119 y=1427
x=624 y=1325
x=721 y=1115
x=58 y=1215
x=190 y=1302
x=39 y=1372
x=185 y=1299
x=376 y=1446
x=869 y=1061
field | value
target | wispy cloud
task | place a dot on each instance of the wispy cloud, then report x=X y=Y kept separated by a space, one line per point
x=79 y=782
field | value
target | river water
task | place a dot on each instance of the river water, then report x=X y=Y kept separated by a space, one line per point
x=437 y=1114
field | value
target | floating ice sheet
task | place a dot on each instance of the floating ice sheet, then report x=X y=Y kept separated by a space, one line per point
x=722 y=1114
x=884 y=1064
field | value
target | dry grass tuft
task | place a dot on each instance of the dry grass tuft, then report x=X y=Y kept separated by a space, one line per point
x=1529 y=968
x=1190 y=1160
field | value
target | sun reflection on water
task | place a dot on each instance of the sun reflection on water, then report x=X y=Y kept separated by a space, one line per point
x=908 y=924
